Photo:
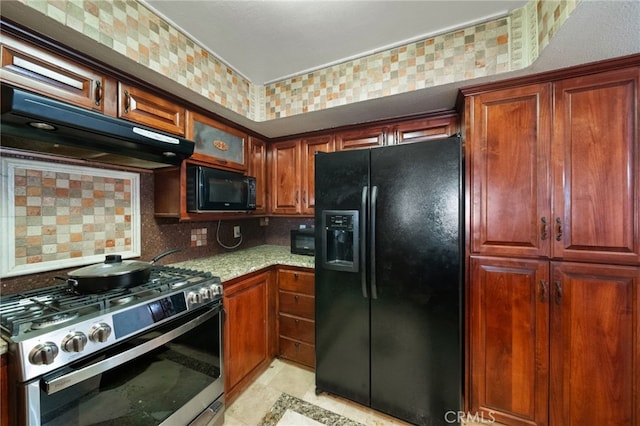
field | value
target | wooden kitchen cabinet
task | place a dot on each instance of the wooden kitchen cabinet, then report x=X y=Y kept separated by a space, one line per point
x=425 y=129
x=509 y=178
x=555 y=250
x=296 y=316
x=570 y=194
x=557 y=336
x=361 y=138
x=217 y=144
x=596 y=173
x=149 y=109
x=509 y=347
x=248 y=319
x=293 y=174
x=257 y=168
x=38 y=70
x=595 y=344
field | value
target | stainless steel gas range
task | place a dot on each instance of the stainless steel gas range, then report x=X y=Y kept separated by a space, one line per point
x=150 y=354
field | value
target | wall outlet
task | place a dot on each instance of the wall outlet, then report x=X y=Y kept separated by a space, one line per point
x=236 y=232
x=264 y=221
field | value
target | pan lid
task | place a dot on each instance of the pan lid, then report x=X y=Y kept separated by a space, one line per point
x=113 y=265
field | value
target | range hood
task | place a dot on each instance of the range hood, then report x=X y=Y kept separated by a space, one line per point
x=37 y=123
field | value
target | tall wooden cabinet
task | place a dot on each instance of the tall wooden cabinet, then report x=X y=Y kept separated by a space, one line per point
x=554 y=241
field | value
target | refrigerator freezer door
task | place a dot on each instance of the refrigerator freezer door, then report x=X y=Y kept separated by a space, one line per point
x=342 y=312
x=415 y=318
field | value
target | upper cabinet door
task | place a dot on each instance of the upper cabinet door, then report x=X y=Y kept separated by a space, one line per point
x=36 y=69
x=285 y=177
x=425 y=129
x=216 y=143
x=309 y=148
x=508 y=144
x=151 y=110
x=258 y=169
x=596 y=168
x=361 y=138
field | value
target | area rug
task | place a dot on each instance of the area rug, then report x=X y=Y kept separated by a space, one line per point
x=306 y=409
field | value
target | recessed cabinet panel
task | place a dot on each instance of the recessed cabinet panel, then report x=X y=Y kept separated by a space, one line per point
x=38 y=70
x=509 y=165
x=151 y=110
x=597 y=174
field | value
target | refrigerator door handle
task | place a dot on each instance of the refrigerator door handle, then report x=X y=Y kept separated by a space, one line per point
x=363 y=240
x=372 y=252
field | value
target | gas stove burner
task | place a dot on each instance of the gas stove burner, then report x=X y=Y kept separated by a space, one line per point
x=51 y=320
x=179 y=284
x=121 y=301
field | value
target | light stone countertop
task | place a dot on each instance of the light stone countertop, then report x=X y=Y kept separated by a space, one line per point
x=234 y=264
x=231 y=265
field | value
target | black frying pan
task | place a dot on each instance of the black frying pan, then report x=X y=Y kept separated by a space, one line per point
x=112 y=273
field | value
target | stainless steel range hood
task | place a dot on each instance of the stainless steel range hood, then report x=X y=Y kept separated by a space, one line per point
x=37 y=123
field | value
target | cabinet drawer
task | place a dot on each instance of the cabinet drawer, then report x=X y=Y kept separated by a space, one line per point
x=297 y=328
x=297 y=304
x=298 y=352
x=296 y=281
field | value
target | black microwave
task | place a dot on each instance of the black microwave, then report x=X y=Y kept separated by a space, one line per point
x=210 y=189
x=303 y=241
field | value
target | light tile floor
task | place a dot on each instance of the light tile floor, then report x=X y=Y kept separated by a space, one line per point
x=251 y=406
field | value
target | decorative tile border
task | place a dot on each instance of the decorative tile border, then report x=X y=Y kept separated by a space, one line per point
x=311 y=411
x=56 y=216
x=502 y=45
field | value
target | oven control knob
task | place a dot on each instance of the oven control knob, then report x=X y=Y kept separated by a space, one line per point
x=194 y=297
x=44 y=353
x=217 y=289
x=100 y=332
x=207 y=293
x=74 y=342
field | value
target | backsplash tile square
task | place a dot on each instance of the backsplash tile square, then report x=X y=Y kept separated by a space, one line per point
x=57 y=215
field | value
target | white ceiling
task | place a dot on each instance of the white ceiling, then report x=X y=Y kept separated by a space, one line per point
x=268 y=41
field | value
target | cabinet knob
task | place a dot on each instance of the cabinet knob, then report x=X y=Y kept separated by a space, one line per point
x=295 y=275
x=296 y=297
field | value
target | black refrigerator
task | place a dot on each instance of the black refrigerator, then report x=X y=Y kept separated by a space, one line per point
x=389 y=278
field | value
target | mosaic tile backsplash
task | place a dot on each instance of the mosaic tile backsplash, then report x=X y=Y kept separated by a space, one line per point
x=64 y=215
x=128 y=28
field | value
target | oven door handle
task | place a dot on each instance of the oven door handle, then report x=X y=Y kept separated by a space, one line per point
x=73 y=377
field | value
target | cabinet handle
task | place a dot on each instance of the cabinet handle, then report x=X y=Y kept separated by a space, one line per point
x=296 y=297
x=304 y=197
x=295 y=275
x=559 y=226
x=544 y=235
x=558 y=292
x=98 y=93
x=127 y=101
x=297 y=193
x=543 y=291
x=297 y=321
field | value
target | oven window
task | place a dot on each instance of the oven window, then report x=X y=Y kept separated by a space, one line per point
x=146 y=390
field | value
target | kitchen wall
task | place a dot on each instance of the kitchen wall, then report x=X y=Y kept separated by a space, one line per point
x=129 y=31
x=194 y=239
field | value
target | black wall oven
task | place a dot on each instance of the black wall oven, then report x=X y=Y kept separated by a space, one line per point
x=171 y=373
